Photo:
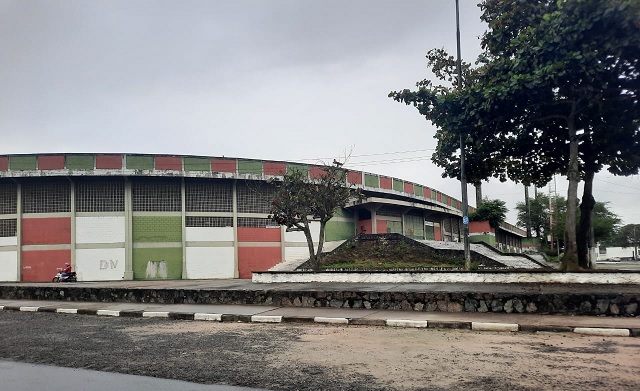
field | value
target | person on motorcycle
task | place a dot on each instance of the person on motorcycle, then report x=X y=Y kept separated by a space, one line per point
x=67 y=270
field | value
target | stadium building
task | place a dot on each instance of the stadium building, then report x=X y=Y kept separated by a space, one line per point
x=132 y=216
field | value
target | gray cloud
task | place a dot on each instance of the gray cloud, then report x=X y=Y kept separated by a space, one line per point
x=259 y=79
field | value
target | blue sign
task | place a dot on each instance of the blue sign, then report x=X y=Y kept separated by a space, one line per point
x=465 y=220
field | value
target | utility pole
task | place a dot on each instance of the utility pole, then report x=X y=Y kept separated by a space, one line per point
x=528 y=206
x=463 y=174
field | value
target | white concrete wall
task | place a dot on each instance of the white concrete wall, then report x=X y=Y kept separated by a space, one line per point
x=298 y=236
x=293 y=253
x=9 y=266
x=209 y=234
x=100 y=229
x=10 y=241
x=210 y=262
x=104 y=264
x=452 y=277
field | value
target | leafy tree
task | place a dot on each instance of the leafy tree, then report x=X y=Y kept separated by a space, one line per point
x=539 y=207
x=604 y=220
x=299 y=200
x=556 y=90
x=493 y=211
x=626 y=236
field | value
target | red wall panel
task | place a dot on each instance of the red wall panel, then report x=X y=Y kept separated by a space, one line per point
x=437 y=234
x=439 y=197
x=246 y=234
x=365 y=227
x=381 y=226
x=4 y=163
x=427 y=192
x=274 y=168
x=39 y=266
x=354 y=177
x=385 y=183
x=257 y=259
x=168 y=163
x=51 y=162
x=223 y=165
x=108 y=162
x=408 y=187
x=316 y=172
x=52 y=230
x=479 y=226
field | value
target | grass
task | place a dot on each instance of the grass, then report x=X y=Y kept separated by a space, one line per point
x=384 y=254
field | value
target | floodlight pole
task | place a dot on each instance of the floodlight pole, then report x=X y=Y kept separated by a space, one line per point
x=463 y=173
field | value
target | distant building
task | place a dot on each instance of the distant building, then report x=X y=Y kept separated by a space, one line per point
x=507 y=238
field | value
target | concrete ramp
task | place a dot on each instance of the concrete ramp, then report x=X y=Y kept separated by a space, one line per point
x=510 y=261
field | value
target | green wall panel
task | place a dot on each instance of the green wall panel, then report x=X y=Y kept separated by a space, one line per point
x=22 y=163
x=341 y=212
x=488 y=239
x=398 y=185
x=139 y=162
x=157 y=263
x=429 y=232
x=414 y=226
x=197 y=164
x=394 y=227
x=298 y=167
x=418 y=190
x=154 y=229
x=339 y=230
x=249 y=167
x=371 y=180
x=79 y=162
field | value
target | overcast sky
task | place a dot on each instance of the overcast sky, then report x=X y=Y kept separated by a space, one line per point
x=282 y=80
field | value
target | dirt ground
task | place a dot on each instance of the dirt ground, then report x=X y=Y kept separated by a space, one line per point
x=317 y=357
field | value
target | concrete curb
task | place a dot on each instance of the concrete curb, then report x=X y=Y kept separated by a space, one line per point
x=322 y=319
x=602 y=332
x=407 y=323
x=481 y=326
x=403 y=323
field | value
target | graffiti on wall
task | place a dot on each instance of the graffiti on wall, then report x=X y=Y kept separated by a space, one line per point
x=110 y=264
x=156 y=269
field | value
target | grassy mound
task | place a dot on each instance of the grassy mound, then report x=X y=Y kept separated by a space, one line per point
x=388 y=251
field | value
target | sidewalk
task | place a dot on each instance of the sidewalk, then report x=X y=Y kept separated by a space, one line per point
x=590 y=325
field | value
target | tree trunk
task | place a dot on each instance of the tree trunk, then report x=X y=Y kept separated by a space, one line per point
x=314 y=261
x=570 y=257
x=321 y=238
x=478 y=187
x=584 y=237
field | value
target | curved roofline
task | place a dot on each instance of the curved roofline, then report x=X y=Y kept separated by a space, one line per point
x=198 y=166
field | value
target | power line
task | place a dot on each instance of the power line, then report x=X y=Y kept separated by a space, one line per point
x=372 y=154
x=617 y=184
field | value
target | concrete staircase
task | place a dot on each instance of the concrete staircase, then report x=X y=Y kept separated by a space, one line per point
x=511 y=261
x=293 y=264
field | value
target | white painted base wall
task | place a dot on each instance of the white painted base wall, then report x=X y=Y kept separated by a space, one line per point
x=453 y=277
x=10 y=241
x=209 y=234
x=299 y=237
x=100 y=229
x=9 y=266
x=210 y=262
x=104 y=264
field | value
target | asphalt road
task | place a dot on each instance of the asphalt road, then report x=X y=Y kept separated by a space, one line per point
x=28 y=377
x=315 y=357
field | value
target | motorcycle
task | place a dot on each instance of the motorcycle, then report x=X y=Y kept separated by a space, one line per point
x=60 y=277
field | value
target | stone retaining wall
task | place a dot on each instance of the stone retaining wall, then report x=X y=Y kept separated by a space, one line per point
x=537 y=303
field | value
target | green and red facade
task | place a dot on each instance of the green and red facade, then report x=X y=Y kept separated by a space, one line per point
x=134 y=216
